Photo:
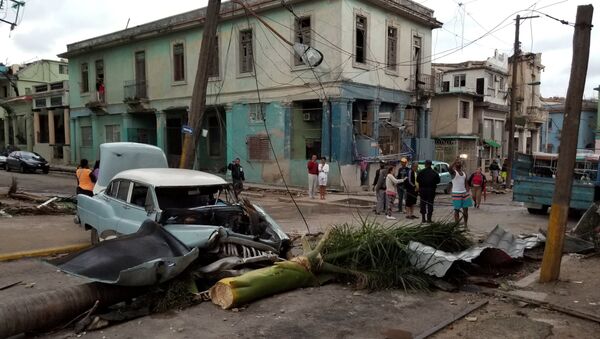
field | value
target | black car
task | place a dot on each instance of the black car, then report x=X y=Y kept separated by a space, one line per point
x=26 y=162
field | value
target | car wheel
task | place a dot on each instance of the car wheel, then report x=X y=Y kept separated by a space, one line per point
x=7 y=168
x=46 y=171
x=94 y=238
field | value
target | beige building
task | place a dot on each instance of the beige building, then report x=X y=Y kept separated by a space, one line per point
x=529 y=114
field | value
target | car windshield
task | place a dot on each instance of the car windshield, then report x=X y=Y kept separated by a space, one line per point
x=193 y=196
x=28 y=156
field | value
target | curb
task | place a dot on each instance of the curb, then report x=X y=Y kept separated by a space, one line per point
x=45 y=252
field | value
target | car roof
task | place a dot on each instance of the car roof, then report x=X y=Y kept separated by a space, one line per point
x=170 y=177
x=434 y=162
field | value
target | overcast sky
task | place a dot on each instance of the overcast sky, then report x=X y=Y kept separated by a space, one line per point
x=47 y=26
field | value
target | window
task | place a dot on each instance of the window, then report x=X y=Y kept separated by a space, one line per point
x=464 y=109
x=246 y=50
x=213 y=69
x=501 y=84
x=140 y=196
x=258 y=147
x=392 y=47
x=57 y=85
x=112 y=189
x=446 y=86
x=360 y=44
x=85 y=86
x=99 y=64
x=488 y=127
x=56 y=101
x=460 y=80
x=178 y=62
x=86 y=136
x=63 y=69
x=112 y=133
x=302 y=32
x=549 y=123
x=40 y=102
x=257 y=112
x=123 y=190
x=43 y=133
x=40 y=88
x=444 y=168
x=214 y=136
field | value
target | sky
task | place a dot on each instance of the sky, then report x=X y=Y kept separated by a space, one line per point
x=472 y=30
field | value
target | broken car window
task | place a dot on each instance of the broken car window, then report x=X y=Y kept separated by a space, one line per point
x=139 y=195
x=191 y=196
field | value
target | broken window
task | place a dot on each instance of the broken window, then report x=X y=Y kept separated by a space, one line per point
x=360 y=46
x=178 y=62
x=258 y=147
x=464 y=109
x=112 y=133
x=140 y=196
x=213 y=69
x=190 y=196
x=302 y=32
x=257 y=112
x=123 y=191
x=86 y=136
x=246 y=51
x=63 y=69
x=460 y=80
x=392 y=45
x=84 y=85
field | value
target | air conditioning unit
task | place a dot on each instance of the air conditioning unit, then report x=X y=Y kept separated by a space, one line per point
x=309 y=117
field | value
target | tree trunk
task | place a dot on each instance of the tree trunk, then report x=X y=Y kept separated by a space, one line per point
x=47 y=310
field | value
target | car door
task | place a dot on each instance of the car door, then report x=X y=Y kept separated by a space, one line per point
x=140 y=207
x=118 y=200
x=12 y=158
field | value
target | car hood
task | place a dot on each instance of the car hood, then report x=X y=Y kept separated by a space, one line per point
x=116 y=157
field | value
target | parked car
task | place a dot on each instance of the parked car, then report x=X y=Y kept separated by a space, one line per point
x=195 y=207
x=443 y=169
x=26 y=162
x=3 y=161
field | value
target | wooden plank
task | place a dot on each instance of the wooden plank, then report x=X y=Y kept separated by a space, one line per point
x=451 y=319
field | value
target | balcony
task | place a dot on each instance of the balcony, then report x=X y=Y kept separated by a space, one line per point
x=135 y=91
x=425 y=83
x=535 y=115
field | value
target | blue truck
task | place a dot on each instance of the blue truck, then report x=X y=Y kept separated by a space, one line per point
x=534 y=181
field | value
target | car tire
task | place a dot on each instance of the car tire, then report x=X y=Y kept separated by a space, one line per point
x=94 y=238
x=45 y=171
x=7 y=168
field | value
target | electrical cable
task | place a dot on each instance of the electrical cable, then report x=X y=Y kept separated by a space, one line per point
x=269 y=136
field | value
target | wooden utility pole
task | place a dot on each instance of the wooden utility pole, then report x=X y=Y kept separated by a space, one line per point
x=568 y=146
x=513 y=99
x=198 y=106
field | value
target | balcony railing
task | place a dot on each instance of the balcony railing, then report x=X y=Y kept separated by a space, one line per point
x=135 y=90
x=425 y=82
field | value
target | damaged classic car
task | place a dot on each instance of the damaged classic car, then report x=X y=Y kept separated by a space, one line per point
x=196 y=210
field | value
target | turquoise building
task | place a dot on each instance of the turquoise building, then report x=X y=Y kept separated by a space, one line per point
x=368 y=100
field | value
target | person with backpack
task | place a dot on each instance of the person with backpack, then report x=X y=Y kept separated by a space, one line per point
x=477 y=181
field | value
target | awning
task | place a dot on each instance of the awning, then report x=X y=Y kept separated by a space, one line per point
x=492 y=143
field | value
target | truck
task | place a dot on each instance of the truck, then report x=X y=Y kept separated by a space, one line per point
x=534 y=181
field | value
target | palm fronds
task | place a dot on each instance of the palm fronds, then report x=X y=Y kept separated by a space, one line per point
x=377 y=255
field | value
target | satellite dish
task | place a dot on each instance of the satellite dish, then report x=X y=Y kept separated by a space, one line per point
x=309 y=55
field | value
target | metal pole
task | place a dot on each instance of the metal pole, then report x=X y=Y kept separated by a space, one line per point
x=550 y=269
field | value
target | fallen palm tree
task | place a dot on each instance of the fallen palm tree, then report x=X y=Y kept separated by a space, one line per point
x=369 y=256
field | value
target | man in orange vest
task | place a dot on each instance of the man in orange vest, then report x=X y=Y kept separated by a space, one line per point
x=85 y=179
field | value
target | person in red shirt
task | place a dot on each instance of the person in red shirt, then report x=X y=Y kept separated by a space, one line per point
x=477 y=182
x=313 y=173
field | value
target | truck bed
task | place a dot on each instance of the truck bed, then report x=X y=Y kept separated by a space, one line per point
x=538 y=191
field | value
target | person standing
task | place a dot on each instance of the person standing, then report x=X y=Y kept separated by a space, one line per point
x=410 y=186
x=96 y=171
x=495 y=170
x=477 y=181
x=504 y=173
x=428 y=180
x=376 y=178
x=237 y=175
x=460 y=191
x=402 y=174
x=85 y=181
x=390 y=193
x=380 y=190
x=323 y=173
x=313 y=173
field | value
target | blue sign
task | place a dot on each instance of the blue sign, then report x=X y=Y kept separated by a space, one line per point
x=185 y=129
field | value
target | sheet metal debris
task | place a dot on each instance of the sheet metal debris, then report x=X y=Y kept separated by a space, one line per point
x=500 y=244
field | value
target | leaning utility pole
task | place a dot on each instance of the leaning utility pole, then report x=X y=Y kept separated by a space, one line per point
x=568 y=146
x=513 y=100
x=196 y=113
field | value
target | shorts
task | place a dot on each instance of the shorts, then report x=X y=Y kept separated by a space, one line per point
x=461 y=200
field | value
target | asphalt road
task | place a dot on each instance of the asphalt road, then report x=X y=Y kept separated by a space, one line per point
x=54 y=182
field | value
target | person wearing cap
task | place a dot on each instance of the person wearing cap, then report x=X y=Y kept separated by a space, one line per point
x=428 y=180
x=401 y=176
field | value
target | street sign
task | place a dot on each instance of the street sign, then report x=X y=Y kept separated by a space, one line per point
x=185 y=129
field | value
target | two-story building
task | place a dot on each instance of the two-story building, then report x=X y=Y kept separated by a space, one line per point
x=34 y=108
x=469 y=110
x=551 y=129
x=368 y=99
